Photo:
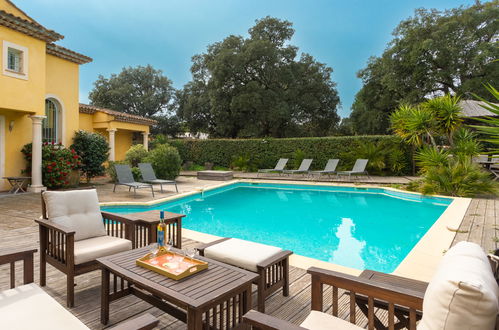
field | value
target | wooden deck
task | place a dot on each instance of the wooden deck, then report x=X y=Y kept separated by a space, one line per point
x=17 y=229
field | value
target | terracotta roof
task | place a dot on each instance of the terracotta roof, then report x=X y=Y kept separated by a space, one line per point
x=67 y=54
x=118 y=116
x=471 y=108
x=32 y=29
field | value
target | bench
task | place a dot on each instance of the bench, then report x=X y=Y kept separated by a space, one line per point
x=269 y=262
x=215 y=175
x=29 y=307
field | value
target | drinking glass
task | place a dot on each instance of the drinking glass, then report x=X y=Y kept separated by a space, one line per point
x=191 y=252
x=153 y=248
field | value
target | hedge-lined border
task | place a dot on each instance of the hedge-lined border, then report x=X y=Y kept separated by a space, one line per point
x=265 y=152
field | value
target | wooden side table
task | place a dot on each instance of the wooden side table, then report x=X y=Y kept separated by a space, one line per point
x=17 y=183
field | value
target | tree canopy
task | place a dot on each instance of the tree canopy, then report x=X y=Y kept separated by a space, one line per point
x=258 y=86
x=431 y=54
x=142 y=91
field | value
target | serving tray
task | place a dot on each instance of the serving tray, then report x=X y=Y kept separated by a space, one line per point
x=171 y=264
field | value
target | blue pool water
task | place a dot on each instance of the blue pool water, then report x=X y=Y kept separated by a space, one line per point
x=355 y=227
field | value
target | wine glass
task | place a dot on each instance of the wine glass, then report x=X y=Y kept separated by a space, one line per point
x=168 y=247
x=191 y=252
x=153 y=248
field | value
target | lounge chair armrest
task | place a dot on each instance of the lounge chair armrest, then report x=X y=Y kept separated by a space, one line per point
x=55 y=226
x=144 y=322
x=202 y=247
x=266 y=322
x=118 y=217
x=389 y=292
x=8 y=255
x=272 y=260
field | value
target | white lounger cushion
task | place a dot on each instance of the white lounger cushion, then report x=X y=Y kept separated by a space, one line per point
x=322 y=321
x=29 y=307
x=241 y=253
x=77 y=210
x=92 y=248
x=463 y=293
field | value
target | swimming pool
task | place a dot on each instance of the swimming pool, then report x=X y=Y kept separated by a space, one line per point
x=362 y=228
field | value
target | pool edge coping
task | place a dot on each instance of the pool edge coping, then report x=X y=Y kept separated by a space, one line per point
x=418 y=264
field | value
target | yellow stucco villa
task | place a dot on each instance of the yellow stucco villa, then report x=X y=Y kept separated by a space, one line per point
x=39 y=97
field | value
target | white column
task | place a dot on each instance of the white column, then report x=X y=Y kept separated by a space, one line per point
x=146 y=140
x=111 y=144
x=36 y=155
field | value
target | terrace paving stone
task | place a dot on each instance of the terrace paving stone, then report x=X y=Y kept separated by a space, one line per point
x=17 y=229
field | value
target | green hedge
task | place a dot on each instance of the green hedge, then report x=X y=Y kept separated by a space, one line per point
x=264 y=153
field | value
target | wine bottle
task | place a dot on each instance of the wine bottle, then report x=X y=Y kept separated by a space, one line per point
x=161 y=229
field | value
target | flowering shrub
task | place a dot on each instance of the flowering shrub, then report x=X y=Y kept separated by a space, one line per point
x=57 y=163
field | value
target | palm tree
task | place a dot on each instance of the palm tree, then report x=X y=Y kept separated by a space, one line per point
x=447 y=113
x=492 y=128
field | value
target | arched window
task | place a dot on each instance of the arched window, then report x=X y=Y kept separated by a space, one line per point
x=51 y=124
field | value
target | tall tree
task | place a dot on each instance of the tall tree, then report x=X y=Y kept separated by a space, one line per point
x=256 y=86
x=142 y=91
x=431 y=54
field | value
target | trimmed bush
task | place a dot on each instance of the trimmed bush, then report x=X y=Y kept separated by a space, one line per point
x=264 y=153
x=93 y=150
x=136 y=154
x=165 y=161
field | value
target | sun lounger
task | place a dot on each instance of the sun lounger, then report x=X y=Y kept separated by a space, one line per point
x=329 y=169
x=358 y=168
x=149 y=176
x=125 y=178
x=279 y=167
x=304 y=166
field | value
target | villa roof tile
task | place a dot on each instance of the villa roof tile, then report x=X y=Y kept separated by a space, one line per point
x=118 y=116
x=32 y=29
x=67 y=54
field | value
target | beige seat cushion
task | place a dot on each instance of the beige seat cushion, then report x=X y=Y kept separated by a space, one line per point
x=92 y=248
x=463 y=293
x=29 y=307
x=322 y=321
x=78 y=210
x=241 y=253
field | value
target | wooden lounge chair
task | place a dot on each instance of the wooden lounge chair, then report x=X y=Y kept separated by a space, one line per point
x=149 y=176
x=463 y=294
x=29 y=307
x=358 y=168
x=74 y=233
x=329 y=169
x=302 y=169
x=279 y=167
x=270 y=262
x=125 y=178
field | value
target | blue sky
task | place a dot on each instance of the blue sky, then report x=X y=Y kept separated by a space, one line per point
x=167 y=33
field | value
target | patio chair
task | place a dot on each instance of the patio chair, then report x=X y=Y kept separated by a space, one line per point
x=149 y=176
x=279 y=167
x=269 y=262
x=463 y=294
x=303 y=169
x=329 y=169
x=358 y=168
x=74 y=233
x=125 y=178
x=29 y=307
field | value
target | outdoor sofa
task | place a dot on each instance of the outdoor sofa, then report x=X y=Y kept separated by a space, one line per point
x=29 y=307
x=463 y=294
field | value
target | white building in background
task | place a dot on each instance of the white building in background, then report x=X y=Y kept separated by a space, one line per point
x=189 y=135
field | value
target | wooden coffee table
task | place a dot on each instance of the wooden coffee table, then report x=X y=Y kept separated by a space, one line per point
x=214 y=298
